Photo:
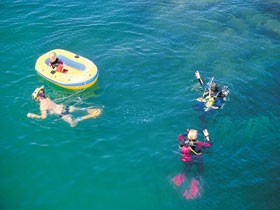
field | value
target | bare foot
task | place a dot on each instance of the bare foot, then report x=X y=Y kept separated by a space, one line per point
x=94 y=112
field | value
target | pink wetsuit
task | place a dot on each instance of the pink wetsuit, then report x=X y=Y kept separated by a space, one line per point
x=186 y=150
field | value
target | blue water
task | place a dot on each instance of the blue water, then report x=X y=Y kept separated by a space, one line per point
x=146 y=53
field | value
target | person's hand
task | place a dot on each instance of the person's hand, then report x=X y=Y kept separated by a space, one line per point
x=197 y=74
x=205 y=132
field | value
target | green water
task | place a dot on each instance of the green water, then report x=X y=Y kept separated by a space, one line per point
x=146 y=53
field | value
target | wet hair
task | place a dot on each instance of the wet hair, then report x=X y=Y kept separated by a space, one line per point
x=214 y=86
x=192 y=134
x=52 y=54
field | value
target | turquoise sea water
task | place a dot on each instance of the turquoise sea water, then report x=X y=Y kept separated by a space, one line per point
x=147 y=53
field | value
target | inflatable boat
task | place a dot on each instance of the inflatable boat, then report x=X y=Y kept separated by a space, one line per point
x=78 y=72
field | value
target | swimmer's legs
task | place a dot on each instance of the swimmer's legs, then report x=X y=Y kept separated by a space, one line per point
x=180 y=178
x=92 y=113
x=88 y=109
x=187 y=168
x=199 y=166
x=69 y=119
x=73 y=109
x=194 y=191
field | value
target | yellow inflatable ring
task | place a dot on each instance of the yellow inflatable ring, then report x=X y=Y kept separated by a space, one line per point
x=81 y=73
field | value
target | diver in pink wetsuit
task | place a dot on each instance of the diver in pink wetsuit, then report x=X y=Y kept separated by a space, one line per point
x=191 y=153
x=190 y=147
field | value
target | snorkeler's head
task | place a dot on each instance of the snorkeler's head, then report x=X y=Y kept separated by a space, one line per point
x=38 y=92
x=214 y=87
x=192 y=135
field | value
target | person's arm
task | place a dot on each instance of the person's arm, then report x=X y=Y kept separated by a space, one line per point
x=182 y=139
x=207 y=137
x=42 y=116
x=197 y=75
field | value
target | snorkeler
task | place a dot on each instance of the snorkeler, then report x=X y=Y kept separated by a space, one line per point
x=47 y=106
x=190 y=147
x=212 y=97
x=191 y=154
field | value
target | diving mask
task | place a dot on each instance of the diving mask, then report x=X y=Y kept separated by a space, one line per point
x=36 y=92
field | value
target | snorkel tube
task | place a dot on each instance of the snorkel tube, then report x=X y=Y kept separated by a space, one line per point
x=209 y=84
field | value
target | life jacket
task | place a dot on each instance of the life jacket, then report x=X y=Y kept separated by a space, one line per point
x=209 y=101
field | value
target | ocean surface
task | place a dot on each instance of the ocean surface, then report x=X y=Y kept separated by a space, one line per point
x=147 y=53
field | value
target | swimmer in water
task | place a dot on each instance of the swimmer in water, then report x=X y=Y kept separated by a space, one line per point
x=47 y=106
x=212 y=97
x=191 y=150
